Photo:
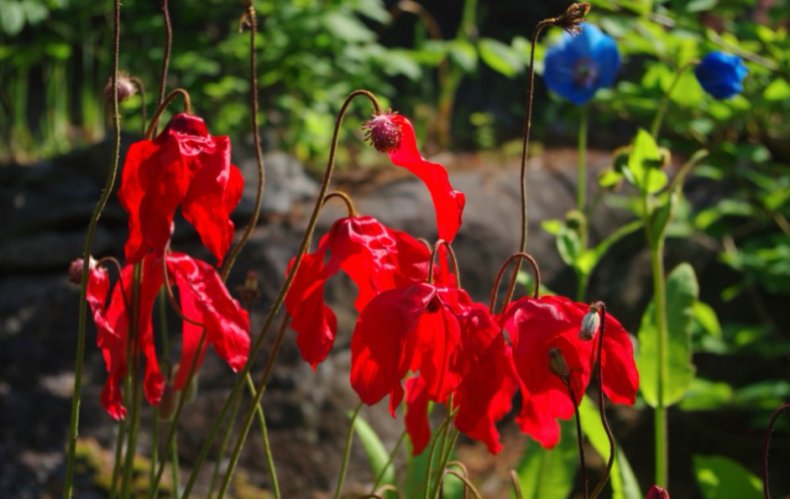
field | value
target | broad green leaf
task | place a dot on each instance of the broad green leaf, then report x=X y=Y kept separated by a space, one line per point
x=707 y=319
x=374 y=448
x=688 y=92
x=622 y=479
x=722 y=478
x=348 y=28
x=549 y=474
x=35 y=11
x=705 y=395
x=610 y=178
x=553 y=226
x=681 y=293
x=589 y=258
x=643 y=168
x=500 y=57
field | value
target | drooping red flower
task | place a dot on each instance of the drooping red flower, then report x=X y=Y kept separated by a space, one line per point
x=415 y=328
x=489 y=381
x=184 y=166
x=374 y=256
x=402 y=150
x=547 y=328
x=204 y=299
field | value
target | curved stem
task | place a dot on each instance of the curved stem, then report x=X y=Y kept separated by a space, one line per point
x=525 y=149
x=256 y=211
x=132 y=376
x=350 y=208
x=346 y=452
x=766 y=446
x=138 y=83
x=453 y=261
x=581 y=168
x=68 y=488
x=149 y=133
x=440 y=435
x=601 y=308
x=468 y=485
x=168 y=49
x=655 y=128
x=275 y=308
x=498 y=279
x=267 y=448
x=516 y=485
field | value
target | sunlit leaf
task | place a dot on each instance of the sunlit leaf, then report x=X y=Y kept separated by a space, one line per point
x=500 y=57
x=375 y=450
x=722 y=478
x=548 y=474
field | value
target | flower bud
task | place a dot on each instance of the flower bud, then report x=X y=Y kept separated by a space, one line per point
x=75 y=269
x=573 y=16
x=591 y=323
x=657 y=492
x=250 y=290
x=168 y=403
x=558 y=364
x=126 y=87
x=383 y=133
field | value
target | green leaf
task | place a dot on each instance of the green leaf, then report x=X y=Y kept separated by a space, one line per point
x=569 y=245
x=589 y=259
x=35 y=11
x=722 y=478
x=374 y=448
x=681 y=293
x=463 y=54
x=644 y=164
x=12 y=19
x=553 y=226
x=622 y=479
x=500 y=57
x=705 y=395
x=348 y=28
x=688 y=92
x=549 y=474
x=707 y=319
x=778 y=90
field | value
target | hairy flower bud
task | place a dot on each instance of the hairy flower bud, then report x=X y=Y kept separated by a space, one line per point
x=591 y=323
x=657 y=492
x=250 y=290
x=168 y=403
x=75 y=269
x=382 y=132
x=574 y=15
x=126 y=87
x=558 y=364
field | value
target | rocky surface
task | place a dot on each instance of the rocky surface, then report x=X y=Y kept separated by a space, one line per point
x=45 y=209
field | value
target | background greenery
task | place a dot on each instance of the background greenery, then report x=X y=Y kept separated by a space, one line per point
x=459 y=68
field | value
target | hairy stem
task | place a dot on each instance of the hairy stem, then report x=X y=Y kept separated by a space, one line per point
x=767 y=444
x=68 y=488
x=341 y=477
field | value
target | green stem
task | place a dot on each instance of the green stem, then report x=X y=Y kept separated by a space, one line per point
x=387 y=464
x=346 y=452
x=116 y=469
x=132 y=365
x=655 y=128
x=659 y=294
x=68 y=488
x=223 y=446
x=254 y=408
x=265 y=440
x=581 y=176
x=275 y=308
x=154 y=452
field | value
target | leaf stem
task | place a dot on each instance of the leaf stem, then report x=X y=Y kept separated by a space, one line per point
x=346 y=452
x=767 y=444
x=655 y=128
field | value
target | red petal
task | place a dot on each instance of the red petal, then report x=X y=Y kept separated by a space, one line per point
x=416 y=419
x=449 y=203
x=378 y=357
x=620 y=376
x=226 y=322
x=154 y=382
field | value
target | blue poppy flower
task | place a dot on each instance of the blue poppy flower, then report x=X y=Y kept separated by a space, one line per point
x=579 y=65
x=721 y=75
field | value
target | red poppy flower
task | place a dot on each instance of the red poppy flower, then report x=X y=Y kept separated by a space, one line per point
x=656 y=492
x=488 y=382
x=183 y=166
x=394 y=134
x=204 y=299
x=374 y=256
x=548 y=326
x=416 y=329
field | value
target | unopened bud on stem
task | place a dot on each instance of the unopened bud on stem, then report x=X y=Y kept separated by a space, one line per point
x=558 y=364
x=573 y=16
x=383 y=133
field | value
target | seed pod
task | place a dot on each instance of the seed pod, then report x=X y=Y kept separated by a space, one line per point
x=383 y=133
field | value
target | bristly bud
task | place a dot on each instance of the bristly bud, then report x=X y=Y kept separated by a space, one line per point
x=250 y=291
x=591 y=323
x=75 y=269
x=558 y=364
x=126 y=87
x=168 y=403
x=657 y=492
x=383 y=133
x=574 y=15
